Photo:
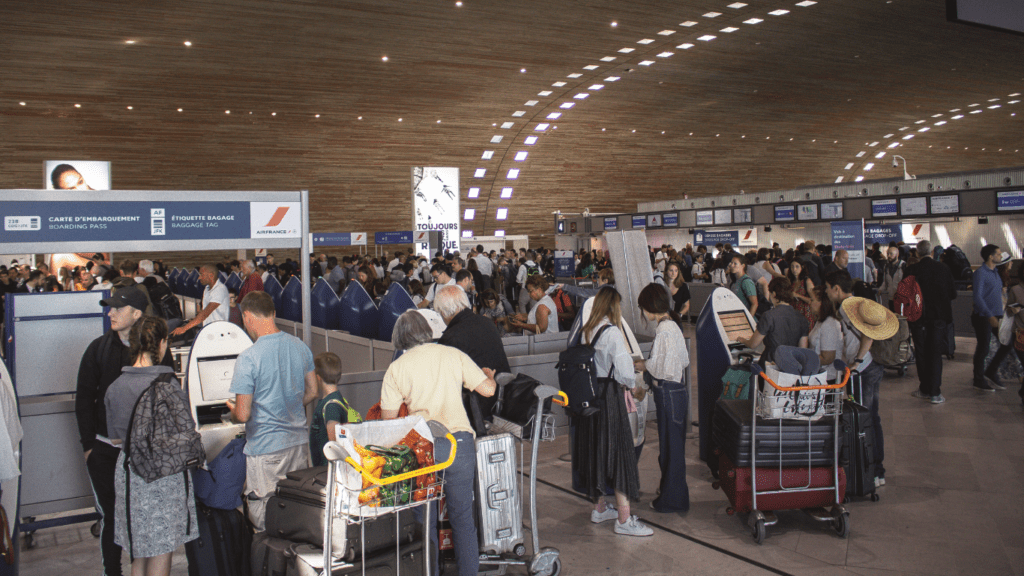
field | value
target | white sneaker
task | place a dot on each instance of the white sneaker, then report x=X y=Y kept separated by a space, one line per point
x=610 y=513
x=633 y=527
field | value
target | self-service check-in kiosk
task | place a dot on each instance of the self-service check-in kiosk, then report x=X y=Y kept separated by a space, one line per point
x=722 y=321
x=211 y=365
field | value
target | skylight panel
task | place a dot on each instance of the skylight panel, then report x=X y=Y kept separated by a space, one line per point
x=488 y=154
x=480 y=173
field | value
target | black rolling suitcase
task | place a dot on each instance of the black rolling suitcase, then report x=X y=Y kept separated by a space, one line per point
x=785 y=442
x=950 y=351
x=296 y=512
x=270 y=555
x=857 y=450
x=408 y=561
x=223 y=546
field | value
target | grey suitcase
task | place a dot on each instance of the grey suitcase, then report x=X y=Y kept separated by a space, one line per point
x=497 y=493
x=308 y=560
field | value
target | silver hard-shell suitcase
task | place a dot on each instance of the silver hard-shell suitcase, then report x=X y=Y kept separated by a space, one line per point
x=497 y=494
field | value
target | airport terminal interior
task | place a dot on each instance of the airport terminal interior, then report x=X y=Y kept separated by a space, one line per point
x=195 y=133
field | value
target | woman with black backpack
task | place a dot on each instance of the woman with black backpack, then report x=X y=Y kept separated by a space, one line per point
x=162 y=512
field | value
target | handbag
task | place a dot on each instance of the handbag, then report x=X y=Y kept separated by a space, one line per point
x=1006 y=329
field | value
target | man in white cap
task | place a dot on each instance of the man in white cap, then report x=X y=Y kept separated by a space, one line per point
x=864 y=321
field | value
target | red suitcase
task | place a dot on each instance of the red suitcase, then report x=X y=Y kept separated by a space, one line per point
x=735 y=482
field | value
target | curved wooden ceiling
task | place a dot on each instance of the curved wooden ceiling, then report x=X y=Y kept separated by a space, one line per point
x=789 y=101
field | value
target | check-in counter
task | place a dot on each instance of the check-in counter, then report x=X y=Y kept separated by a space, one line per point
x=516 y=345
x=53 y=474
x=963 y=306
x=699 y=294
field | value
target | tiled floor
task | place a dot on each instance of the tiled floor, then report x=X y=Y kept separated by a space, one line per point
x=953 y=504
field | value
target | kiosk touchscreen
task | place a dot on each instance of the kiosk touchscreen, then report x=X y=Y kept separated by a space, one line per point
x=723 y=320
x=211 y=365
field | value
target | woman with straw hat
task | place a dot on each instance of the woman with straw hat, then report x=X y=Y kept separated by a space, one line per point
x=864 y=321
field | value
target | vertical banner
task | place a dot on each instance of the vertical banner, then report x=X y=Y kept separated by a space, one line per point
x=565 y=264
x=849 y=235
x=435 y=205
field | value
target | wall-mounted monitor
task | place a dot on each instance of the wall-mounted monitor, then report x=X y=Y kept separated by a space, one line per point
x=654 y=220
x=743 y=215
x=639 y=221
x=670 y=220
x=914 y=206
x=1010 y=201
x=831 y=210
x=945 y=204
x=887 y=208
x=723 y=216
x=705 y=217
x=611 y=222
x=785 y=213
x=807 y=212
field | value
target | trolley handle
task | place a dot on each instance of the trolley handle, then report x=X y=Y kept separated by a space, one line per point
x=561 y=399
x=836 y=386
x=405 y=475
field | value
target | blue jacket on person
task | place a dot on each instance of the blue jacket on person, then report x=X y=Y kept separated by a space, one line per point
x=988 y=292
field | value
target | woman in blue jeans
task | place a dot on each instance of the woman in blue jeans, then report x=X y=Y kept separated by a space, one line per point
x=663 y=371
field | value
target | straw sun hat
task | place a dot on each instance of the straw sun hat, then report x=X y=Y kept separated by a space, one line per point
x=871 y=318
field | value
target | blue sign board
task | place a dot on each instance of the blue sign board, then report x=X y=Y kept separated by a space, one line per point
x=849 y=236
x=670 y=219
x=404 y=237
x=565 y=264
x=611 y=222
x=883 y=208
x=25 y=221
x=1010 y=201
x=785 y=213
x=882 y=233
x=712 y=237
x=332 y=238
x=639 y=221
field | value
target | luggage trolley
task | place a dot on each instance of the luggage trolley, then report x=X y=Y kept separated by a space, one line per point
x=823 y=489
x=339 y=498
x=540 y=428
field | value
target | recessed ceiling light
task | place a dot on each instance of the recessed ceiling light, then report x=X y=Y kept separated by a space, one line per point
x=614 y=24
x=519 y=113
x=501 y=214
x=779 y=12
x=1014 y=95
x=531 y=103
x=666 y=32
x=611 y=79
x=541 y=127
x=880 y=155
x=712 y=14
x=554 y=116
x=520 y=156
x=665 y=54
x=473 y=193
x=736 y=5
x=469 y=214
x=936 y=115
x=558 y=84
x=187 y=43
x=753 y=21
x=530 y=140
x=729 y=29
x=488 y=154
x=21 y=103
x=507 y=125
x=574 y=75
x=858 y=179
x=958 y=116
x=940 y=122
x=873 y=144
x=467 y=233
x=181 y=110
x=608 y=59
x=522 y=70
x=908 y=136
x=595 y=86
x=976 y=111
x=513 y=174
x=893 y=145
x=360 y=118
x=567 y=105
x=626 y=50
x=869 y=166
x=925 y=129
x=545 y=93
x=645 y=41
x=581 y=96
x=634 y=131
x=129 y=107
x=861 y=154
x=688 y=24
x=459 y=3
x=920 y=122
x=646 y=62
x=706 y=38
x=887 y=136
x=499 y=233
x=994 y=106
x=992 y=100
x=1013 y=101
x=806 y=3
x=480 y=173
x=848 y=166
x=384 y=58
x=506 y=192
x=78 y=105
x=686 y=46
x=974 y=105
x=591 y=67
x=602 y=129
x=838 y=180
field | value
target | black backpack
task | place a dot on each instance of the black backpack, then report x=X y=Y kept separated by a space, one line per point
x=164 y=301
x=577 y=376
x=958 y=263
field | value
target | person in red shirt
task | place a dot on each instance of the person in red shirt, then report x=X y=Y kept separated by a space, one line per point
x=252 y=281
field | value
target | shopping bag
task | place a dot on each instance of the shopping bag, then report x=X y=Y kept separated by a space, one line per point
x=1006 y=329
x=797 y=404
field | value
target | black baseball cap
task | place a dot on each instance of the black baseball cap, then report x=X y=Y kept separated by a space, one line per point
x=130 y=296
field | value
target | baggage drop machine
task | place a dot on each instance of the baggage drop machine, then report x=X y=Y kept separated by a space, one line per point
x=723 y=319
x=211 y=365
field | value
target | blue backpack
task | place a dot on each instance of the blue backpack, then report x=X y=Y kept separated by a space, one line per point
x=221 y=483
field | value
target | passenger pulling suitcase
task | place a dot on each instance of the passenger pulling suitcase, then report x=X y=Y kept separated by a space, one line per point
x=306 y=560
x=296 y=512
x=858 y=448
x=736 y=483
x=223 y=546
x=498 y=500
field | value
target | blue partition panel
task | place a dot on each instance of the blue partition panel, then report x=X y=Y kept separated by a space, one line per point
x=357 y=314
x=324 y=306
x=172 y=279
x=233 y=281
x=193 y=287
x=291 y=301
x=394 y=302
x=273 y=287
x=223 y=277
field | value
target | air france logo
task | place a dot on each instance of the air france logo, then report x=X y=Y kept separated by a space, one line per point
x=277 y=217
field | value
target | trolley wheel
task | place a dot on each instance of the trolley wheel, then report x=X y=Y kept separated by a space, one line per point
x=716 y=485
x=730 y=510
x=519 y=550
x=95 y=529
x=841 y=524
x=554 y=570
x=875 y=497
x=758 y=532
x=901 y=371
x=846 y=499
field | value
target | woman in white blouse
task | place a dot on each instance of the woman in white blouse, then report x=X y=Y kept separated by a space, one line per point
x=826 y=338
x=663 y=371
x=603 y=443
